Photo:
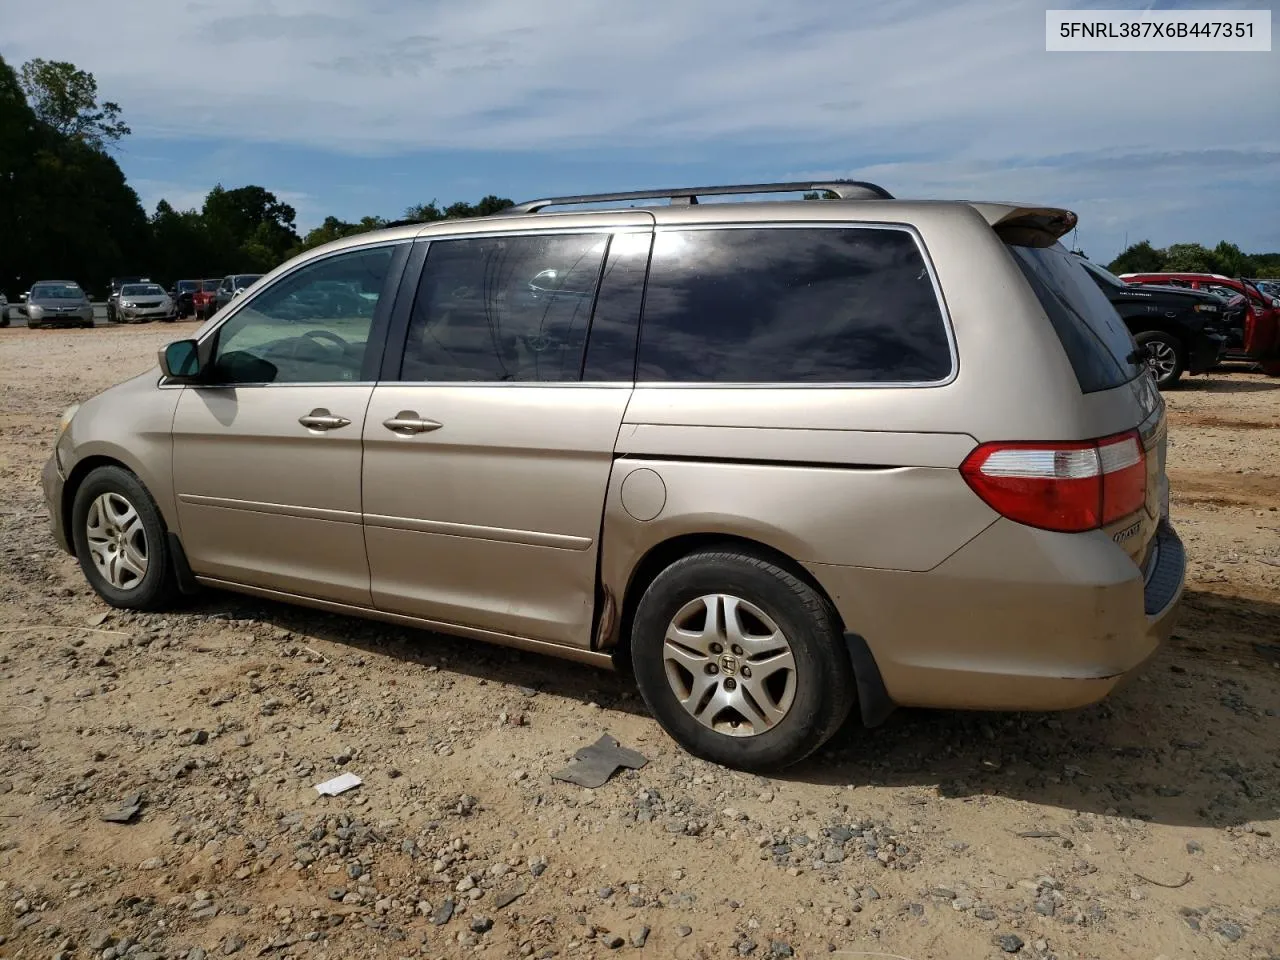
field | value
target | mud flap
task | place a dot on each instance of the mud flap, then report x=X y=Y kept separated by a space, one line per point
x=181 y=568
x=873 y=700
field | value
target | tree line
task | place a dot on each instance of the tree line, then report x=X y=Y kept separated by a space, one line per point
x=67 y=211
x=1225 y=258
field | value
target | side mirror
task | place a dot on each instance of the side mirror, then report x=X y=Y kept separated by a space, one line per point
x=180 y=360
x=26 y=295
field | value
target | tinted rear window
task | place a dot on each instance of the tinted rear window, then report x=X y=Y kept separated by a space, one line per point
x=1096 y=341
x=791 y=305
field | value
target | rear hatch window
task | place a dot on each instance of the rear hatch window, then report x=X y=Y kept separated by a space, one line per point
x=1096 y=341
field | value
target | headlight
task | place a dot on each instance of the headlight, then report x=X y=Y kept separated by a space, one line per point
x=1205 y=308
x=65 y=420
x=128 y=303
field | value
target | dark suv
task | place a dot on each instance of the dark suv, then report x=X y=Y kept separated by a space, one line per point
x=1181 y=329
x=183 y=293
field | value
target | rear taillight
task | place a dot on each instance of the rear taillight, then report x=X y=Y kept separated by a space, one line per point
x=1069 y=487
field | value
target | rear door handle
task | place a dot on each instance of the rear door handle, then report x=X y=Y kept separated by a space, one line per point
x=407 y=422
x=322 y=419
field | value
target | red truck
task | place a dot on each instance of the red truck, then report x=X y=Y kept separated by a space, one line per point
x=204 y=299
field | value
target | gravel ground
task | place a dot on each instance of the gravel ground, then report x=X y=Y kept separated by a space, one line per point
x=1142 y=827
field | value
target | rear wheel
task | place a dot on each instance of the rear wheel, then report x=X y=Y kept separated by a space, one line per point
x=121 y=541
x=1167 y=356
x=741 y=661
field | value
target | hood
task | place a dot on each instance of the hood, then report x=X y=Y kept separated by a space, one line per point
x=1144 y=293
x=57 y=301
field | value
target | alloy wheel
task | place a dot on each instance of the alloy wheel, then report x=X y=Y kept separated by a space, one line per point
x=117 y=541
x=1164 y=360
x=729 y=665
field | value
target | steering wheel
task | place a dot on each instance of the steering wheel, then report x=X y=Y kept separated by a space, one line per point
x=321 y=336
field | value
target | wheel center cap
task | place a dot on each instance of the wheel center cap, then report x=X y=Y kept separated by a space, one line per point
x=728 y=664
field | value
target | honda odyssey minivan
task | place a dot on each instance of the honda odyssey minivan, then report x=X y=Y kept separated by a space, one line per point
x=781 y=459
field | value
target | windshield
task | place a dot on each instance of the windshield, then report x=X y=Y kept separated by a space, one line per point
x=245 y=279
x=142 y=290
x=56 y=291
x=209 y=286
x=1097 y=343
x=1102 y=272
x=185 y=285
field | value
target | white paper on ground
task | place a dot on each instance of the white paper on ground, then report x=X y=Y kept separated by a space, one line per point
x=331 y=788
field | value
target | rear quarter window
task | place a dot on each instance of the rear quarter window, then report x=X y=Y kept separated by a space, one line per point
x=1095 y=338
x=791 y=305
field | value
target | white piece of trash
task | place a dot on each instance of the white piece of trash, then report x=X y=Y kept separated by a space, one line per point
x=331 y=788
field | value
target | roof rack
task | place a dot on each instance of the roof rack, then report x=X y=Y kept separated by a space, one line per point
x=844 y=189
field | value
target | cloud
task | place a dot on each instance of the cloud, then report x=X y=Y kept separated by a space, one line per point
x=950 y=95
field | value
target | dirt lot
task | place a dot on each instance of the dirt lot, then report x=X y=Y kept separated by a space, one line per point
x=1142 y=827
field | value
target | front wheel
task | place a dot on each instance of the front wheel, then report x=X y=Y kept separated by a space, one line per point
x=1167 y=356
x=121 y=541
x=740 y=661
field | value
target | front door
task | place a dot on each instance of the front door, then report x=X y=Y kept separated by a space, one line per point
x=267 y=453
x=486 y=464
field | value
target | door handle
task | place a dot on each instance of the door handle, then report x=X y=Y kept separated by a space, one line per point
x=407 y=421
x=322 y=419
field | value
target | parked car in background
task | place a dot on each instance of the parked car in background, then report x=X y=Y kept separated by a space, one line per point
x=1257 y=339
x=775 y=490
x=1182 y=329
x=204 y=301
x=4 y=310
x=233 y=285
x=113 y=293
x=1269 y=288
x=144 y=302
x=182 y=294
x=57 y=303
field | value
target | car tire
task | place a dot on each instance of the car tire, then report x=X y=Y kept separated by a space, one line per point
x=761 y=722
x=34 y=324
x=1169 y=356
x=4 y=319
x=117 y=530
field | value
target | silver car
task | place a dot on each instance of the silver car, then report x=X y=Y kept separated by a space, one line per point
x=4 y=310
x=54 y=303
x=144 y=302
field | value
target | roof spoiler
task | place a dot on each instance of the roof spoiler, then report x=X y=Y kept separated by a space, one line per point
x=1028 y=226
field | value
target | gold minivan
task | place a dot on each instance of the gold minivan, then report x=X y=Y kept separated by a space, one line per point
x=779 y=458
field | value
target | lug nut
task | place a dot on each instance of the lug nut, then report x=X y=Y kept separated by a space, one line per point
x=716 y=648
x=712 y=668
x=737 y=650
x=746 y=673
x=730 y=683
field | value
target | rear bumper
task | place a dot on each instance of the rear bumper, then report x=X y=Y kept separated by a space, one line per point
x=1018 y=619
x=1206 y=352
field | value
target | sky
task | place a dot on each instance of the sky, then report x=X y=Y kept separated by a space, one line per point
x=355 y=107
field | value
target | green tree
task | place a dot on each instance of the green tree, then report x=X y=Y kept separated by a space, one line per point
x=1190 y=258
x=66 y=98
x=1140 y=257
x=250 y=226
x=65 y=207
x=334 y=229
x=1233 y=262
x=431 y=212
